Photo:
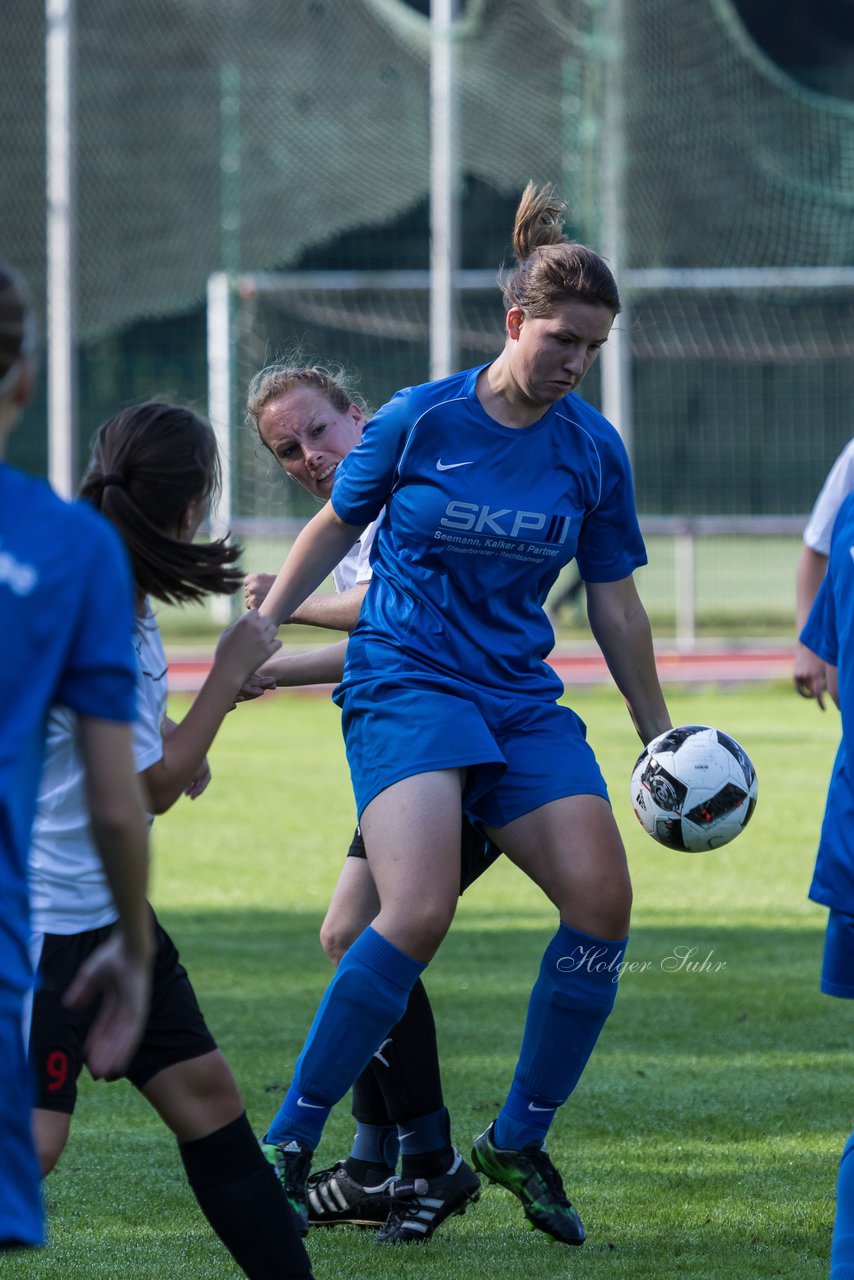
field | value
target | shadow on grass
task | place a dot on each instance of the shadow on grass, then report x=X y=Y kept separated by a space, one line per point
x=702 y=1141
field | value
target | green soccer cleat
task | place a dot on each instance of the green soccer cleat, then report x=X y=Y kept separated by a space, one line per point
x=292 y=1162
x=531 y=1176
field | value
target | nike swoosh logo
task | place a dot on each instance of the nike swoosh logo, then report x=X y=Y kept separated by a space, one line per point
x=315 y=1106
x=531 y=1107
x=452 y=466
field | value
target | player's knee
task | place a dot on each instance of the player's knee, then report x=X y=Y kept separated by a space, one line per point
x=604 y=911
x=213 y=1079
x=614 y=912
x=50 y=1139
x=336 y=935
x=424 y=925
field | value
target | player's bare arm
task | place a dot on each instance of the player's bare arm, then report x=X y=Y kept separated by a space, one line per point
x=320 y=546
x=621 y=628
x=337 y=611
x=809 y=674
x=242 y=648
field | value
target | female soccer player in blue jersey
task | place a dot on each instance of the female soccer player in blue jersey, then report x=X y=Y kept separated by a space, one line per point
x=309 y=419
x=492 y=480
x=66 y=611
x=829 y=633
x=152 y=472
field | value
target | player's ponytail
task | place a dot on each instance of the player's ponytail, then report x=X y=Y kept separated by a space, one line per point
x=17 y=326
x=148 y=464
x=539 y=221
x=551 y=268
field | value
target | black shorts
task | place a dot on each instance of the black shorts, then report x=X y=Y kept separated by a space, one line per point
x=175 y=1031
x=477 y=853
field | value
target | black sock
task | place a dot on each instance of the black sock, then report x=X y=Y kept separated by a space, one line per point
x=407 y=1065
x=242 y=1199
x=366 y=1173
x=427 y=1164
x=368 y=1102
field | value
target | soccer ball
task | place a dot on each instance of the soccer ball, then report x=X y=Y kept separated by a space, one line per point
x=693 y=788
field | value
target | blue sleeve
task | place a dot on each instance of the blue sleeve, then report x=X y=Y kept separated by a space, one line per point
x=610 y=545
x=367 y=475
x=99 y=675
x=819 y=633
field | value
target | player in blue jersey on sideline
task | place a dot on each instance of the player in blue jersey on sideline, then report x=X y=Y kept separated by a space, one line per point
x=829 y=633
x=492 y=480
x=66 y=618
x=809 y=674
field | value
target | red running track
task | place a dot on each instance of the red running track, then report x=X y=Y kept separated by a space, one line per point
x=706 y=666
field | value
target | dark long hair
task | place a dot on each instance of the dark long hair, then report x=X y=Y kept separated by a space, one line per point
x=148 y=464
x=17 y=323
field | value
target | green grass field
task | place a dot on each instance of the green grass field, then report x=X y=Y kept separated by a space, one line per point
x=703 y=1140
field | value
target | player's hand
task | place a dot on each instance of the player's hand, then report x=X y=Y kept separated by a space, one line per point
x=123 y=981
x=200 y=782
x=245 y=646
x=257 y=684
x=256 y=588
x=810 y=675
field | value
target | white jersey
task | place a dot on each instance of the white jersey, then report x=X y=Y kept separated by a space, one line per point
x=837 y=486
x=68 y=888
x=356 y=565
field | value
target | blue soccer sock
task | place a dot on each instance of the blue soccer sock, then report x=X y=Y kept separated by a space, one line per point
x=572 y=997
x=424 y=1133
x=363 y=1001
x=842 y=1250
x=374 y=1145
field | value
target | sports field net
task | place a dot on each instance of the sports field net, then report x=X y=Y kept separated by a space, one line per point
x=732 y=388
x=221 y=136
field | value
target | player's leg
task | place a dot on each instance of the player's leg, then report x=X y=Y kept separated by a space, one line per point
x=50 y=1130
x=412 y=832
x=181 y=1072
x=56 y=1037
x=401 y=1088
x=354 y=1191
x=837 y=979
x=572 y=849
x=560 y=830
x=435 y=1182
x=842 y=1250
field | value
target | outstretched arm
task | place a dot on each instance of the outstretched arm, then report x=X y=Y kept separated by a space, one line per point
x=242 y=647
x=320 y=546
x=290 y=671
x=621 y=628
x=338 y=611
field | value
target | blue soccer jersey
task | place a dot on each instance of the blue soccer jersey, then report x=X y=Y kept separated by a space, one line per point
x=829 y=632
x=480 y=519
x=66 y=623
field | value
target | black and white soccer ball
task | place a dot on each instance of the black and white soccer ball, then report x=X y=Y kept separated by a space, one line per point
x=693 y=788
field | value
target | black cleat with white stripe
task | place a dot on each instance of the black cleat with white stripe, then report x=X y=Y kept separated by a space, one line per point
x=337 y=1199
x=419 y=1205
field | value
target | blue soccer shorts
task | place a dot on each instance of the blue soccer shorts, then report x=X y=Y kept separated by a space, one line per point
x=518 y=753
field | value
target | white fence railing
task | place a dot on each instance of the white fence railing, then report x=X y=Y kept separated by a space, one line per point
x=726 y=567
